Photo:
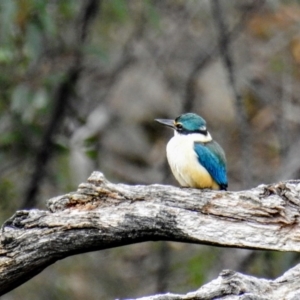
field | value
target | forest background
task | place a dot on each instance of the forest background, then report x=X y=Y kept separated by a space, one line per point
x=81 y=83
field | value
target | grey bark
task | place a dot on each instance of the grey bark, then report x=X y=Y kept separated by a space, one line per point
x=231 y=285
x=101 y=215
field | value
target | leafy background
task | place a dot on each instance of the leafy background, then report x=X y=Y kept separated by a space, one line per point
x=80 y=85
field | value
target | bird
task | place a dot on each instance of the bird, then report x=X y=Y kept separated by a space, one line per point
x=196 y=160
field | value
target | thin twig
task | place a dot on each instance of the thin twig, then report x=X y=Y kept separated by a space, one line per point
x=228 y=61
x=204 y=59
x=164 y=267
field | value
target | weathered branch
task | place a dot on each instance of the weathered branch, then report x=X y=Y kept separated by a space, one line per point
x=103 y=215
x=231 y=285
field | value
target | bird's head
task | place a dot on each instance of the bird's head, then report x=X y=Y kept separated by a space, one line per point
x=186 y=124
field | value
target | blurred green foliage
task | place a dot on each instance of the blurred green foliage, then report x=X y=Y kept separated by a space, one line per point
x=37 y=45
x=199 y=265
x=32 y=45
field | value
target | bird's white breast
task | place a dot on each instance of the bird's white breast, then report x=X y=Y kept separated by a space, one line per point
x=184 y=162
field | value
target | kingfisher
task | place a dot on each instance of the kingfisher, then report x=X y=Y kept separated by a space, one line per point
x=196 y=160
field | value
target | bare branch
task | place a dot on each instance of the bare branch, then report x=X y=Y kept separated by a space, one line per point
x=231 y=285
x=101 y=215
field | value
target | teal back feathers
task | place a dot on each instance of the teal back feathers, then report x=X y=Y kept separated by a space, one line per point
x=212 y=157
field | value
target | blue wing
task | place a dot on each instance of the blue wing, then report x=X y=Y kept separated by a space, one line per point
x=211 y=156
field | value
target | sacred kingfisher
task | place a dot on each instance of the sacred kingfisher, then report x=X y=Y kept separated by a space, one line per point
x=196 y=160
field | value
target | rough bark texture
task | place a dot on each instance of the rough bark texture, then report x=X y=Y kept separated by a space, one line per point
x=103 y=215
x=231 y=285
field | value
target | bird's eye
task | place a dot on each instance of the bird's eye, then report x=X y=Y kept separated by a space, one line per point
x=179 y=126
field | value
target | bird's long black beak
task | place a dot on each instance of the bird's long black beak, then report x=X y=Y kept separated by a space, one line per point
x=166 y=122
